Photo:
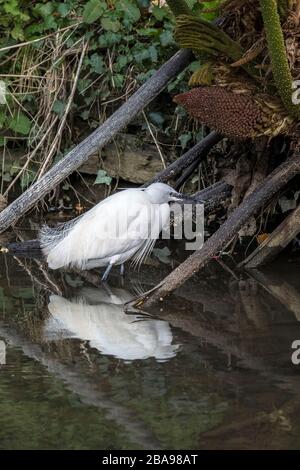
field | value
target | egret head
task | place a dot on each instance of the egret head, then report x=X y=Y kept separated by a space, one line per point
x=161 y=193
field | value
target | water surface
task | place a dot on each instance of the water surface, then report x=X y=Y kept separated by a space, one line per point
x=210 y=369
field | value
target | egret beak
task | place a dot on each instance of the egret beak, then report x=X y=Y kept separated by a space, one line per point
x=183 y=198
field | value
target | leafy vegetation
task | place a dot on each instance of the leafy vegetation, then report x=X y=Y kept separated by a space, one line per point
x=67 y=65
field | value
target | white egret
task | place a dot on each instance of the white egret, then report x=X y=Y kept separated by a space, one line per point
x=122 y=226
x=99 y=318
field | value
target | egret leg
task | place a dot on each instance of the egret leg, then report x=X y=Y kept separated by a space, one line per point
x=106 y=272
x=122 y=269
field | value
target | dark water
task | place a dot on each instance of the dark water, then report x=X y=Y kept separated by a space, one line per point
x=213 y=370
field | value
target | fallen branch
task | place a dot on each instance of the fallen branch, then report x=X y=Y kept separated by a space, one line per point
x=276 y=241
x=187 y=173
x=264 y=192
x=195 y=154
x=207 y=143
x=100 y=137
x=31 y=155
x=213 y=196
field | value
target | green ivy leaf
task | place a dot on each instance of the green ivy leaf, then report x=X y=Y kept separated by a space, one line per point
x=141 y=56
x=85 y=114
x=59 y=107
x=103 y=178
x=109 y=39
x=166 y=38
x=20 y=124
x=46 y=10
x=11 y=7
x=184 y=139
x=157 y=118
x=17 y=32
x=159 y=12
x=26 y=179
x=97 y=63
x=144 y=76
x=153 y=53
x=118 y=80
x=93 y=10
x=110 y=25
x=7 y=177
x=132 y=12
x=50 y=23
x=121 y=62
x=63 y=9
x=83 y=84
x=32 y=31
x=144 y=3
x=191 y=3
x=2 y=119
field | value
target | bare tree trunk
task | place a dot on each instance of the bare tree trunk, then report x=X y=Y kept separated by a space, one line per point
x=261 y=196
x=195 y=154
x=101 y=136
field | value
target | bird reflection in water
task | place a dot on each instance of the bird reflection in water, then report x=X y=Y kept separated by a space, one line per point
x=2 y=353
x=97 y=315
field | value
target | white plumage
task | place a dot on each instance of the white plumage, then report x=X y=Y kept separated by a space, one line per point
x=2 y=353
x=99 y=318
x=123 y=226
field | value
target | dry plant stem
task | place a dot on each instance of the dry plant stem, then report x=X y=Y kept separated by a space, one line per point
x=155 y=140
x=38 y=281
x=200 y=150
x=64 y=118
x=264 y=192
x=276 y=241
x=101 y=136
x=33 y=153
x=27 y=43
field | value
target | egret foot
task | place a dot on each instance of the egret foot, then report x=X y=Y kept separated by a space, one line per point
x=122 y=269
x=106 y=272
